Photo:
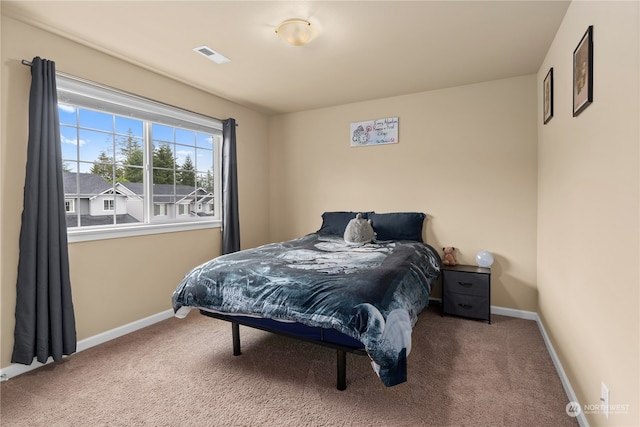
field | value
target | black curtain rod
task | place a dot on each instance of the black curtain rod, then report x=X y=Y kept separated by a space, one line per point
x=70 y=76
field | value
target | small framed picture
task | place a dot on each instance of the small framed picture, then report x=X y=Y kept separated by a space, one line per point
x=583 y=73
x=374 y=132
x=547 y=97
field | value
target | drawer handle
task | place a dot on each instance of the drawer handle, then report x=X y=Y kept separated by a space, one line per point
x=465 y=284
x=465 y=306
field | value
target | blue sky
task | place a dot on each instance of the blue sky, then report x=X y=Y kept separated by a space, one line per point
x=85 y=133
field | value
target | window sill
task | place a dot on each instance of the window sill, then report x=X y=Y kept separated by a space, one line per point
x=89 y=234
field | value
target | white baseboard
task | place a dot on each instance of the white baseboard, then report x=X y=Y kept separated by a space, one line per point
x=17 y=369
x=581 y=418
x=512 y=312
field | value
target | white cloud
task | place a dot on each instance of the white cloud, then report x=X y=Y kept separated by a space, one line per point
x=72 y=141
x=67 y=108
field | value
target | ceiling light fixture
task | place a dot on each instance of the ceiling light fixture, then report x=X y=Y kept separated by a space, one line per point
x=296 y=32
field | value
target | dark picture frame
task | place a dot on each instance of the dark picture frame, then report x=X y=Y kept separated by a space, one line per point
x=547 y=97
x=583 y=73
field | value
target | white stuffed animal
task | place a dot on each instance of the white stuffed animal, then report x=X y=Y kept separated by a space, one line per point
x=359 y=230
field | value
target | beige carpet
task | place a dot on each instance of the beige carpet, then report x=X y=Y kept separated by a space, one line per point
x=182 y=373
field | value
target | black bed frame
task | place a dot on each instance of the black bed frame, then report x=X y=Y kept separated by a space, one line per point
x=341 y=350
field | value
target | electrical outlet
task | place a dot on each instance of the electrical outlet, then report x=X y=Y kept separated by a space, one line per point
x=604 y=400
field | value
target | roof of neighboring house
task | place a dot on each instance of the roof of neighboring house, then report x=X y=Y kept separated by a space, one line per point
x=90 y=184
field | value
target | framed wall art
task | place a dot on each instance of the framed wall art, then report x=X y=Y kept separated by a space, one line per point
x=583 y=73
x=547 y=97
x=374 y=132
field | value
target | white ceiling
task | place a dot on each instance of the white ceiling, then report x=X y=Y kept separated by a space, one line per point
x=364 y=50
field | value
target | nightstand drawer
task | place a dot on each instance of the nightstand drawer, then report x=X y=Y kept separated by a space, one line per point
x=466 y=305
x=465 y=283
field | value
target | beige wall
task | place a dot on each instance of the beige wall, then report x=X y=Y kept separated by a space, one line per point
x=588 y=210
x=116 y=281
x=466 y=157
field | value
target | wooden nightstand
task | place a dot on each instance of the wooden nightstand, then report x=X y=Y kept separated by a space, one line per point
x=466 y=291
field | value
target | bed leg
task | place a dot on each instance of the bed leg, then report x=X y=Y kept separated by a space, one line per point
x=235 y=331
x=342 y=370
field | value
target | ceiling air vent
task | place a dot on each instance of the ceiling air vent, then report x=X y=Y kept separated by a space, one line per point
x=211 y=54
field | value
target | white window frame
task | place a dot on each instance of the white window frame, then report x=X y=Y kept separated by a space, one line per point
x=108 y=205
x=71 y=203
x=85 y=94
x=183 y=209
x=162 y=209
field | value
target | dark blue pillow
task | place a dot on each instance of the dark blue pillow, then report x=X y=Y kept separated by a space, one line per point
x=335 y=222
x=398 y=225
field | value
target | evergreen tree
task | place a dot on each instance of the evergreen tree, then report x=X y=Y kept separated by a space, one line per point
x=206 y=182
x=164 y=164
x=103 y=166
x=186 y=175
x=133 y=159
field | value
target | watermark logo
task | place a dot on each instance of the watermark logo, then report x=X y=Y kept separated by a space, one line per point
x=573 y=409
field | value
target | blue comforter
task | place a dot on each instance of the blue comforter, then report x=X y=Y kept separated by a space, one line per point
x=371 y=292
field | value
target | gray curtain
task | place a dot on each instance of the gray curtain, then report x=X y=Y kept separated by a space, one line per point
x=45 y=322
x=230 y=218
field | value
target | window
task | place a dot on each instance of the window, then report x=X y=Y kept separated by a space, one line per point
x=108 y=205
x=133 y=165
x=159 y=210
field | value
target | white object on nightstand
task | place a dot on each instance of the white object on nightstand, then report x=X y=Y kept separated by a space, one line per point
x=484 y=259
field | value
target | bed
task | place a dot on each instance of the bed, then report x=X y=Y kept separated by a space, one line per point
x=360 y=298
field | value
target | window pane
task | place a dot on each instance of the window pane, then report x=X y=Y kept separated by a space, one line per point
x=204 y=160
x=96 y=120
x=205 y=181
x=130 y=151
x=129 y=126
x=163 y=177
x=133 y=175
x=85 y=167
x=186 y=179
x=204 y=205
x=67 y=114
x=163 y=187
x=187 y=137
x=182 y=151
x=94 y=145
x=185 y=157
x=204 y=140
x=106 y=170
x=162 y=133
x=69 y=140
x=163 y=164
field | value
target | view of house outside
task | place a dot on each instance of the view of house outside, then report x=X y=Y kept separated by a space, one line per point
x=103 y=159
